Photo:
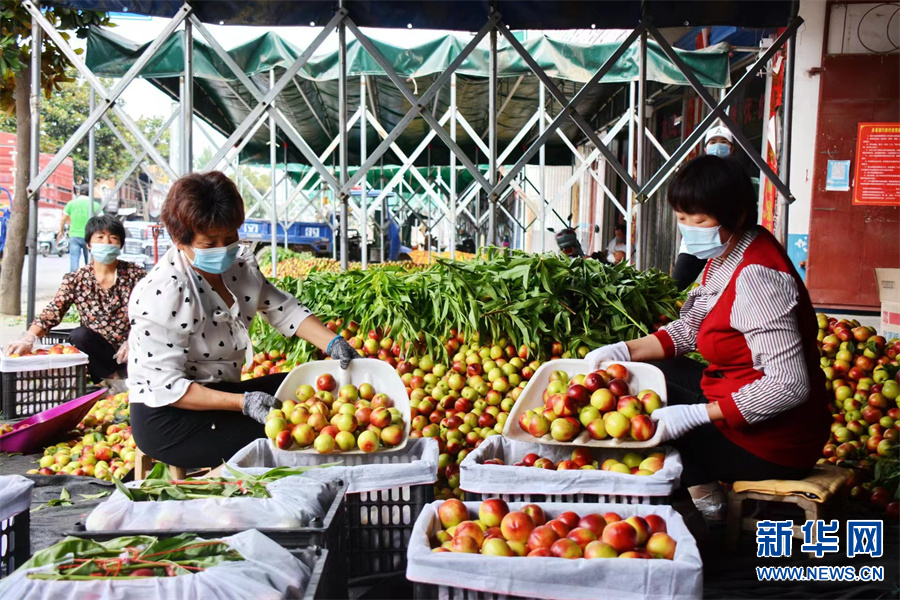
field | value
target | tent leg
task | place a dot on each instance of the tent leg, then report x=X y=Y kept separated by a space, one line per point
x=641 y=146
x=453 y=221
x=542 y=100
x=342 y=120
x=364 y=226
x=629 y=208
x=493 y=197
x=187 y=102
x=92 y=151
x=273 y=158
x=35 y=163
x=787 y=120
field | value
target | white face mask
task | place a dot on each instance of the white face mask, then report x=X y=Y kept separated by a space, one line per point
x=703 y=242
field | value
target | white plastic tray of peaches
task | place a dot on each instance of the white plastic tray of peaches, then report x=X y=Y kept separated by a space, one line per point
x=564 y=405
x=57 y=356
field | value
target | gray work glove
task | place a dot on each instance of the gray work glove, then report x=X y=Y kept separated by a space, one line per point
x=258 y=404
x=339 y=349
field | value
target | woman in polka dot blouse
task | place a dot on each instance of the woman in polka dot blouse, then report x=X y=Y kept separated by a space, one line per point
x=189 y=339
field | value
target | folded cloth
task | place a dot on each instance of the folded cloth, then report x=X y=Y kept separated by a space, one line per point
x=819 y=486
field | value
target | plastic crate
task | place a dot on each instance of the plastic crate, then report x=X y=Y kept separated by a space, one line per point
x=56 y=336
x=325 y=532
x=15 y=542
x=324 y=583
x=379 y=524
x=29 y=392
x=425 y=591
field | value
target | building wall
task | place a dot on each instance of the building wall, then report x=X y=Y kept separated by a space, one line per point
x=58 y=189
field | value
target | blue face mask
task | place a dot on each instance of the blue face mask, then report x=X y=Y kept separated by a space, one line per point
x=703 y=242
x=215 y=260
x=105 y=253
x=719 y=149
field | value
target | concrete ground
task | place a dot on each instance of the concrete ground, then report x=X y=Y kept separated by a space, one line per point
x=50 y=271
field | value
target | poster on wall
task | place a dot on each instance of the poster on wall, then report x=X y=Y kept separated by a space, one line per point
x=876 y=178
x=773 y=127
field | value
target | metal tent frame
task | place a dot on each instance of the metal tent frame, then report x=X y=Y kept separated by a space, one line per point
x=497 y=183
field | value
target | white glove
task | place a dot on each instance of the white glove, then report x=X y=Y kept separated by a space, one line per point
x=617 y=352
x=679 y=419
x=23 y=345
x=122 y=353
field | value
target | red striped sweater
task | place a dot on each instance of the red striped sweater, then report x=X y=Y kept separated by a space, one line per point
x=752 y=319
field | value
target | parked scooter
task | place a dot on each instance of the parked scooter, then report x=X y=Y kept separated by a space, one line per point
x=48 y=244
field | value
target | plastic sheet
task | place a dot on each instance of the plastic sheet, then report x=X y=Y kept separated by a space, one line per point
x=295 y=502
x=268 y=571
x=15 y=495
x=415 y=464
x=474 y=476
x=560 y=578
x=42 y=362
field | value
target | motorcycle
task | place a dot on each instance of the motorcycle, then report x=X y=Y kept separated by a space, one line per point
x=48 y=243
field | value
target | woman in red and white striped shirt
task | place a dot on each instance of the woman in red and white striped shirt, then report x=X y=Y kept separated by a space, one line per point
x=759 y=410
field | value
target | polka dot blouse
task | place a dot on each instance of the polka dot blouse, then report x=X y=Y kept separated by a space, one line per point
x=182 y=331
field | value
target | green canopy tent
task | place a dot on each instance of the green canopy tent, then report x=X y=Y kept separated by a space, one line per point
x=311 y=104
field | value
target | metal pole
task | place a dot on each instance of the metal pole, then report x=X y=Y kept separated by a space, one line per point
x=542 y=124
x=273 y=157
x=187 y=104
x=641 y=139
x=35 y=164
x=453 y=223
x=92 y=154
x=364 y=242
x=492 y=140
x=764 y=146
x=629 y=209
x=342 y=120
x=787 y=117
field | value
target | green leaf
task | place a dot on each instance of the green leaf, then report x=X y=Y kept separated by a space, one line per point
x=94 y=496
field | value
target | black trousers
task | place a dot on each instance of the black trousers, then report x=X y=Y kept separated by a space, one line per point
x=707 y=454
x=686 y=270
x=199 y=438
x=101 y=354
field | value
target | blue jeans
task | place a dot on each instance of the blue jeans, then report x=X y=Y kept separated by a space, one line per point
x=77 y=249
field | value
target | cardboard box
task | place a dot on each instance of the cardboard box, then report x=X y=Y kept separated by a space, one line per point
x=889 y=294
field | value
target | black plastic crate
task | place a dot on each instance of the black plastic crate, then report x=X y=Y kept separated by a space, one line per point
x=379 y=524
x=15 y=542
x=427 y=591
x=29 y=392
x=327 y=580
x=56 y=336
x=326 y=532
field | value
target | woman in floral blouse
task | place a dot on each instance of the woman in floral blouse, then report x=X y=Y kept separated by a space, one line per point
x=100 y=291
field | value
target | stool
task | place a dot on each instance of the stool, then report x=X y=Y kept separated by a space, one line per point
x=816 y=495
x=143 y=464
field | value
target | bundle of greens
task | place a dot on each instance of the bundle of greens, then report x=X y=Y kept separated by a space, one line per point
x=158 y=486
x=75 y=559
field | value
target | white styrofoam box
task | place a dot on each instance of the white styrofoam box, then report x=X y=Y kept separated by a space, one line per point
x=382 y=376
x=643 y=376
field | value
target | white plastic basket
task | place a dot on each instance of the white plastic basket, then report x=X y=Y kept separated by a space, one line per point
x=379 y=374
x=643 y=376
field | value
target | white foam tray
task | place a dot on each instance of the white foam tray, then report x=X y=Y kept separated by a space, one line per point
x=379 y=374
x=42 y=362
x=643 y=376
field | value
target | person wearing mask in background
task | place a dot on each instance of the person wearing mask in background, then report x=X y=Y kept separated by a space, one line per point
x=718 y=142
x=189 y=332
x=759 y=409
x=100 y=291
x=76 y=214
x=615 y=251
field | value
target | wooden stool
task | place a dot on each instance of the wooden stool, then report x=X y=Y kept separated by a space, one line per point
x=143 y=464
x=817 y=495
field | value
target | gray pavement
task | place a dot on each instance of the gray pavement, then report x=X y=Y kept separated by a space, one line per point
x=50 y=271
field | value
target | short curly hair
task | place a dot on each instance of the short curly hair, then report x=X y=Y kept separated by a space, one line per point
x=201 y=202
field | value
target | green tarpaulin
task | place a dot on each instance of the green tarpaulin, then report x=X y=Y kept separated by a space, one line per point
x=219 y=98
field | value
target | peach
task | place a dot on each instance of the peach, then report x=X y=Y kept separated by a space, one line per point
x=536 y=513
x=621 y=535
x=492 y=511
x=596 y=523
x=629 y=406
x=518 y=548
x=471 y=529
x=517 y=526
x=542 y=536
x=496 y=547
x=582 y=456
x=617 y=425
x=582 y=536
x=561 y=529
x=452 y=512
x=566 y=548
x=598 y=549
x=611 y=517
x=656 y=524
x=597 y=429
x=603 y=400
x=540 y=552
x=641 y=527
x=661 y=545
x=465 y=544
x=570 y=519
x=632 y=554
x=642 y=428
x=652 y=464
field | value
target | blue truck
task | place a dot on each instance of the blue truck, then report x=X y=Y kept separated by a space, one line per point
x=301 y=236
